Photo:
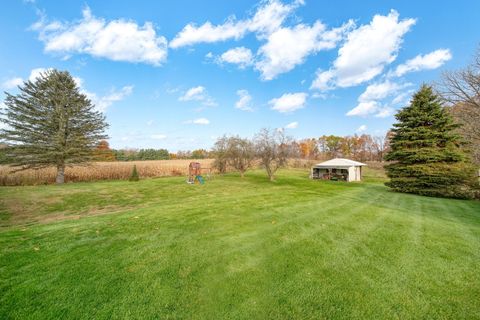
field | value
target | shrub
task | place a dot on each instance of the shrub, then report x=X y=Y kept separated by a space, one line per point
x=134 y=175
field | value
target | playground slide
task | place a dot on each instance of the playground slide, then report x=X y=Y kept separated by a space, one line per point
x=200 y=179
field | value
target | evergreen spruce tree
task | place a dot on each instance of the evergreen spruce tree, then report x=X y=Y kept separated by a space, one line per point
x=50 y=123
x=134 y=176
x=427 y=154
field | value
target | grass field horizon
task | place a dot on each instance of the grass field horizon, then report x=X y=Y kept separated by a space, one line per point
x=237 y=249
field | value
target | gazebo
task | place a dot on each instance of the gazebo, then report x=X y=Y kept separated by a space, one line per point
x=338 y=169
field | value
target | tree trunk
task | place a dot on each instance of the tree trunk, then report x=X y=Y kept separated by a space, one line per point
x=60 y=174
x=242 y=174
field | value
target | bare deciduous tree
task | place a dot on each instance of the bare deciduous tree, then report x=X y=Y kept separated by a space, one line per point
x=379 y=146
x=462 y=86
x=220 y=153
x=461 y=90
x=273 y=149
x=240 y=154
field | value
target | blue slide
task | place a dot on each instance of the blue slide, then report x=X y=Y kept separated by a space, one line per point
x=200 y=179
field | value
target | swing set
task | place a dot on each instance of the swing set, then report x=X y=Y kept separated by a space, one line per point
x=195 y=173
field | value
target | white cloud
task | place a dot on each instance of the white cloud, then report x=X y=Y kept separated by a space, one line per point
x=12 y=83
x=118 y=40
x=289 y=102
x=203 y=121
x=104 y=102
x=195 y=93
x=428 y=61
x=317 y=95
x=323 y=80
x=200 y=121
x=150 y=123
x=158 y=136
x=292 y=125
x=378 y=91
x=384 y=112
x=362 y=128
x=288 y=47
x=208 y=33
x=244 y=100
x=241 y=56
x=198 y=93
x=370 y=101
x=367 y=50
x=403 y=97
x=364 y=109
x=268 y=17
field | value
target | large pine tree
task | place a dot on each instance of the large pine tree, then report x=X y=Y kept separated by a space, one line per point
x=427 y=154
x=50 y=123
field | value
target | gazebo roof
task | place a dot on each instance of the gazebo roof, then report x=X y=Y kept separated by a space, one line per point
x=339 y=162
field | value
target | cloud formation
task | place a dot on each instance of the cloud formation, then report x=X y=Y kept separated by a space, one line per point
x=268 y=17
x=292 y=125
x=428 y=61
x=199 y=121
x=240 y=56
x=370 y=101
x=284 y=47
x=288 y=47
x=244 y=100
x=198 y=93
x=102 y=103
x=289 y=102
x=366 y=52
x=118 y=40
x=362 y=128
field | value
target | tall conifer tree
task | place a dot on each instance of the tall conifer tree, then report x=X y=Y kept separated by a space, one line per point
x=427 y=154
x=50 y=123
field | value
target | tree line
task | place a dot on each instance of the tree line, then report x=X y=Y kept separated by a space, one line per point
x=103 y=152
x=363 y=147
x=357 y=147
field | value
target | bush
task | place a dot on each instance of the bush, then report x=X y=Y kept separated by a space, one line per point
x=134 y=176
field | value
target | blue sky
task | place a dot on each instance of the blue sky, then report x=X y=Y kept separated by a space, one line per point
x=178 y=74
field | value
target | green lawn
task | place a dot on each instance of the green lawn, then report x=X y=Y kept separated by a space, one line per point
x=237 y=249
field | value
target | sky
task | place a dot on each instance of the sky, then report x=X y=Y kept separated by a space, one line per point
x=179 y=74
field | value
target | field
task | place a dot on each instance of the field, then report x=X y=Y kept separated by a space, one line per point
x=237 y=249
x=98 y=171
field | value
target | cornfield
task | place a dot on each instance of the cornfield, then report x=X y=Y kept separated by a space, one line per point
x=99 y=171
x=118 y=170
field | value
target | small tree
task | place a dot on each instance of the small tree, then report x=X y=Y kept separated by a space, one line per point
x=240 y=154
x=50 y=123
x=220 y=154
x=134 y=176
x=272 y=148
x=427 y=153
x=103 y=152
